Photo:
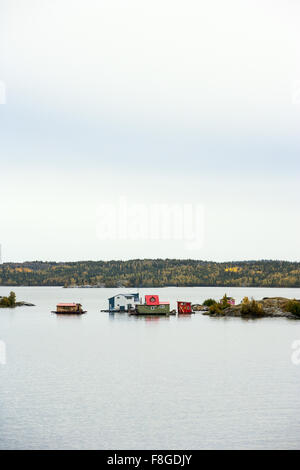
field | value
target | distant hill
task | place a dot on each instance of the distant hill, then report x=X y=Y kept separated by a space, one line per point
x=152 y=273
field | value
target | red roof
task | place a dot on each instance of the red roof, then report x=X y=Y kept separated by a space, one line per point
x=67 y=305
x=152 y=299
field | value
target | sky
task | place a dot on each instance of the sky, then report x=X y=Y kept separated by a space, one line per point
x=137 y=129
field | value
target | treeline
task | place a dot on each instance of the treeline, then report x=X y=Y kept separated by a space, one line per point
x=152 y=273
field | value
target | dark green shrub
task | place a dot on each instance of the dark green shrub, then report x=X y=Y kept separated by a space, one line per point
x=251 y=307
x=4 y=302
x=9 y=301
x=293 y=306
x=215 y=309
x=209 y=302
x=12 y=299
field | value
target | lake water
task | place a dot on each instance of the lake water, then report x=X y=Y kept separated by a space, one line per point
x=103 y=381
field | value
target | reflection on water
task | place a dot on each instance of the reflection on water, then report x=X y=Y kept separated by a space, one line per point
x=184 y=317
x=140 y=317
x=64 y=316
x=110 y=381
x=154 y=318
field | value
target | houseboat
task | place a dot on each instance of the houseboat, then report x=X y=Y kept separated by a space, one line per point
x=184 y=308
x=123 y=302
x=72 y=308
x=152 y=306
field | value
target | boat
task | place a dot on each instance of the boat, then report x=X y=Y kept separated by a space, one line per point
x=152 y=306
x=69 y=308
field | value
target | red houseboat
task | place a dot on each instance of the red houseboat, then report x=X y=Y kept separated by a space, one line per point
x=184 y=307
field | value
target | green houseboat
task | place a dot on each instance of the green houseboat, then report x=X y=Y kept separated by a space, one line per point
x=152 y=306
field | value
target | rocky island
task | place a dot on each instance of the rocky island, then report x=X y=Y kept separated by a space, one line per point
x=10 y=302
x=267 y=307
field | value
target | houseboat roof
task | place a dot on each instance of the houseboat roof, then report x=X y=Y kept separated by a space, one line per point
x=154 y=300
x=67 y=305
x=124 y=295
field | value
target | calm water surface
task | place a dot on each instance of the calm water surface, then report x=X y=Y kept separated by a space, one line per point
x=102 y=381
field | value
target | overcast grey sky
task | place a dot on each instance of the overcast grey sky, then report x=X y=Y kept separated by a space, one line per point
x=165 y=102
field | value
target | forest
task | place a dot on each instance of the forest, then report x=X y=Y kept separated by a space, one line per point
x=152 y=273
